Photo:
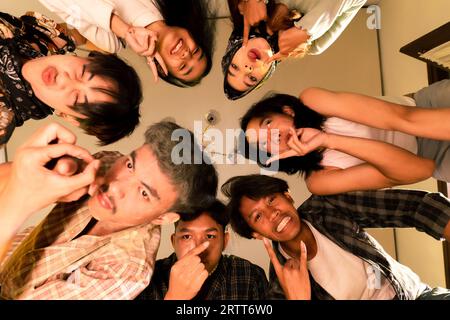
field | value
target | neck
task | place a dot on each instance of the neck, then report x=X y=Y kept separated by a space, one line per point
x=292 y=247
x=101 y=228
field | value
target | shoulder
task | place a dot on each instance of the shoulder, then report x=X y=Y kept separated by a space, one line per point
x=235 y=262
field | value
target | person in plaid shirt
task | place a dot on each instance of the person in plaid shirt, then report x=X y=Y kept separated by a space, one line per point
x=198 y=270
x=104 y=246
x=321 y=250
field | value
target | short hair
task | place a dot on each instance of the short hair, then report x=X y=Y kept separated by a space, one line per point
x=253 y=186
x=112 y=121
x=216 y=210
x=196 y=179
x=195 y=17
x=274 y=103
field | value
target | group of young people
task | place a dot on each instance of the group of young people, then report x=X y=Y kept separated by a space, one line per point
x=101 y=239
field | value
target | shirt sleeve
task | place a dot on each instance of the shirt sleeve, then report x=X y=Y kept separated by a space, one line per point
x=90 y=17
x=427 y=212
x=110 y=281
x=325 y=20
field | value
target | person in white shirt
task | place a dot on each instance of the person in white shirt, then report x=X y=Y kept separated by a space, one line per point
x=344 y=142
x=174 y=35
x=291 y=28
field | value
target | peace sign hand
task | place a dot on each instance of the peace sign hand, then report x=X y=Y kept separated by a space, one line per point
x=293 y=276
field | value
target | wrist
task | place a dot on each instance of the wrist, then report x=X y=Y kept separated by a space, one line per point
x=119 y=27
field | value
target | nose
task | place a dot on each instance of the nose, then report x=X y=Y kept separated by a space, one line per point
x=186 y=54
x=116 y=189
x=248 y=68
x=274 y=214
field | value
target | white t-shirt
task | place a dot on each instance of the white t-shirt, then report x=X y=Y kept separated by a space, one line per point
x=343 y=275
x=92 y=17
x=335 y=158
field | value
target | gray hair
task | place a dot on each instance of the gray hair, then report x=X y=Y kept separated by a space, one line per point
x=196 y=179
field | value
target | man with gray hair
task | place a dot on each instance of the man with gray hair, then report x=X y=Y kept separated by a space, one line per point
x=104 y=245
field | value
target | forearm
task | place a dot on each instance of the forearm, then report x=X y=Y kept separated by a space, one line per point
x=398 y=165
x=119 y=26
x=355 y=107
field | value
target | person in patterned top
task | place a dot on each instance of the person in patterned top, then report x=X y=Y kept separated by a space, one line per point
x=104 y=246
x=198 y=270
x=100 y=93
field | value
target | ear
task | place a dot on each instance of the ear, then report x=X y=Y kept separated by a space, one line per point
x=72 y=120
x=241 y=7
x=226 y=238
x=288 y=196
x=256 y=235
x=172 y=239
x=166 y=218
x=289 y=111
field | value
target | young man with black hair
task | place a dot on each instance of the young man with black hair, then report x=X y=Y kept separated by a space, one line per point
x=343 y=261
x=198 y=270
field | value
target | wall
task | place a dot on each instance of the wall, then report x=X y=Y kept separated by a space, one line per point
x=403 y=21
x=350 y=64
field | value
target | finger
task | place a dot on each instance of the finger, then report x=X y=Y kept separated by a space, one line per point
x=273 y=258
x=276 y=56
x=303 y=256
x=151 y=48
x=81 y=180
x=50 y=133
x=153 y=69
x=246 y=32
x=283 y=155
x=66 y=166
x=58 y=150
x=198 y=249
x=161 y=63
x=74 y=196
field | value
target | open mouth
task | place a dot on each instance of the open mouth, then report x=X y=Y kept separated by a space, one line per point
x=105 y=201
x=283 y=223
x=254 y=54
x=49 y=76
x=177 y=47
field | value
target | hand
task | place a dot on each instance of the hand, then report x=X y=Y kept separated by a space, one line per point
x=253 y=11
x=68 y=166
x=291 y=43
x=187 y=275
x=293 y=276
x=310 y=140
x=33 y=186
x=143 y=42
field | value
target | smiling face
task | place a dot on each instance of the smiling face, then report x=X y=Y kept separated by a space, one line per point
x=248 y=66
x=61 y=81
x=184 y=59
x=190 y=234
x=134 y=191
x=271 y=132
x=273 y=217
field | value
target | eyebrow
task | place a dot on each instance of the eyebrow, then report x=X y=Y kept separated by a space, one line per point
x=152 y=190
x=185 y=229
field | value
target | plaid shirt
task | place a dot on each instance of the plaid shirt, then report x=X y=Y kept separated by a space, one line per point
x=341 y=218
x=53 y=263
x=234 y=279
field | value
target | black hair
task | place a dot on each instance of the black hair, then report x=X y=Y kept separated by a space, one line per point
x=111 y=121
x=216 y=210
x=304 y=118
x=253 y=186
x=196 y=17
x=194 y=177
